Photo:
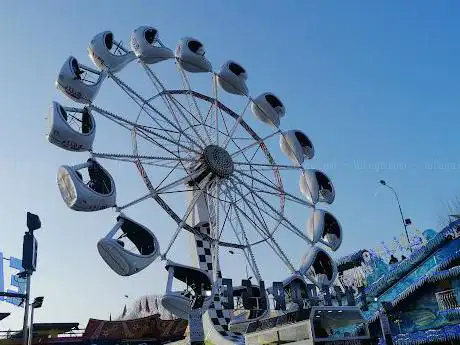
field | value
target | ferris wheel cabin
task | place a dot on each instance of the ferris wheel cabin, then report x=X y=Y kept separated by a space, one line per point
x=97 y=193
x=197 y=294
x=70 y=128
x=79 y=82
x=232 y=78
x=146 y=45
x=255 y=306
x=324 y=228
x=108 y=54
x=316 y=187
x=190 y=55
x=297 y=146
x=268 y=108
x=319 y=267
x=125 y=261
x=294 y=284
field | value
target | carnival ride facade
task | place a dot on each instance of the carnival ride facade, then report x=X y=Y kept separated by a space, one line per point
x=150 y=330
x=185 y=140
x=421 y=291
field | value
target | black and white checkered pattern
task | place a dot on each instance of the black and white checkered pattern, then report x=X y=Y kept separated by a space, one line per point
x=220 y=317
x=203 y=248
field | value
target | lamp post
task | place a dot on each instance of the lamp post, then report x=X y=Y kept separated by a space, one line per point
x=405 y=221
x=37 y=303
x=29 y=264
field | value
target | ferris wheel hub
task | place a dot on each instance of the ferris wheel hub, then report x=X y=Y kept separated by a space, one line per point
x=218 y=161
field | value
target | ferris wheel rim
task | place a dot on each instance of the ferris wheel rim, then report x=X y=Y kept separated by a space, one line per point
x=229 y=189
x=256 y=138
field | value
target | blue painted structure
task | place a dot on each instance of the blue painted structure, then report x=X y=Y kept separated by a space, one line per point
x=411 y=286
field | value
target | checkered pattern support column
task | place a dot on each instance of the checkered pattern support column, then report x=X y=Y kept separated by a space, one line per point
x=220 y=317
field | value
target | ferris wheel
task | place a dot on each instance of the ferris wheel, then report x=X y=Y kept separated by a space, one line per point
x=204 y=159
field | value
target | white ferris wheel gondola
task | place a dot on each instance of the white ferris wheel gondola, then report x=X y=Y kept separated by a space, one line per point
x=295 y=282
x=108 y=54
x=190 y=55
x=257 y=307
x=318 y=267
x=324 y=228
x=198 y=294
x=97 y=193
x=288 y=285
x=316 y=186
x=75 y=82
x=268 y=108
x=232 y=78
x=145 y=43
x=296 y=146
x=71 y=129
x=121 y=260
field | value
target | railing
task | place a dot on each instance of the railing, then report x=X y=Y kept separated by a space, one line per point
x=448 y=299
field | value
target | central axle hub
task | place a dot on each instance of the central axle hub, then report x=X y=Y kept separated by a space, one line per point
x=218 y=161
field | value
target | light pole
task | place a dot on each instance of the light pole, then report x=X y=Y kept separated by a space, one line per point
x=405 y=221
x=29 y=264
x=37 y=303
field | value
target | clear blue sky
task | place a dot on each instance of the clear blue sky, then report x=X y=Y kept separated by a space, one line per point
x=375 y=85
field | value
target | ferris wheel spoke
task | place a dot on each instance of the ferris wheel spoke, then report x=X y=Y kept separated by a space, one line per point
x=275 y=188
x=224 y=123
x=292 y=167
x=128 y=160
x=142 y=101
x=203 y=186
x=181 y=108
x=175 y=146
x=165 y=95
x=268 y=239
x=179 y=181
x=245 y=251
x=178 y=104
x=139 y=128
x=227 y=214
x=187 y=84
x=296 y=200
x=137 y=157
x=264 y=169
x=169 y=174
x=281 y=220
x=134 y=202
x=250 y=254
x=214 y=83
x=209 y=112
x=235 y=126
x=263 y=223
x=160 y=88
x=259 y=142
x=281 y=216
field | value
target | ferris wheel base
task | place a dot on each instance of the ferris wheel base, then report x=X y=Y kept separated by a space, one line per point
x=213 y=336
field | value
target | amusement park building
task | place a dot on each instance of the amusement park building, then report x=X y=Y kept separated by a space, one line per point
x=422 y=291
x=149 y=330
